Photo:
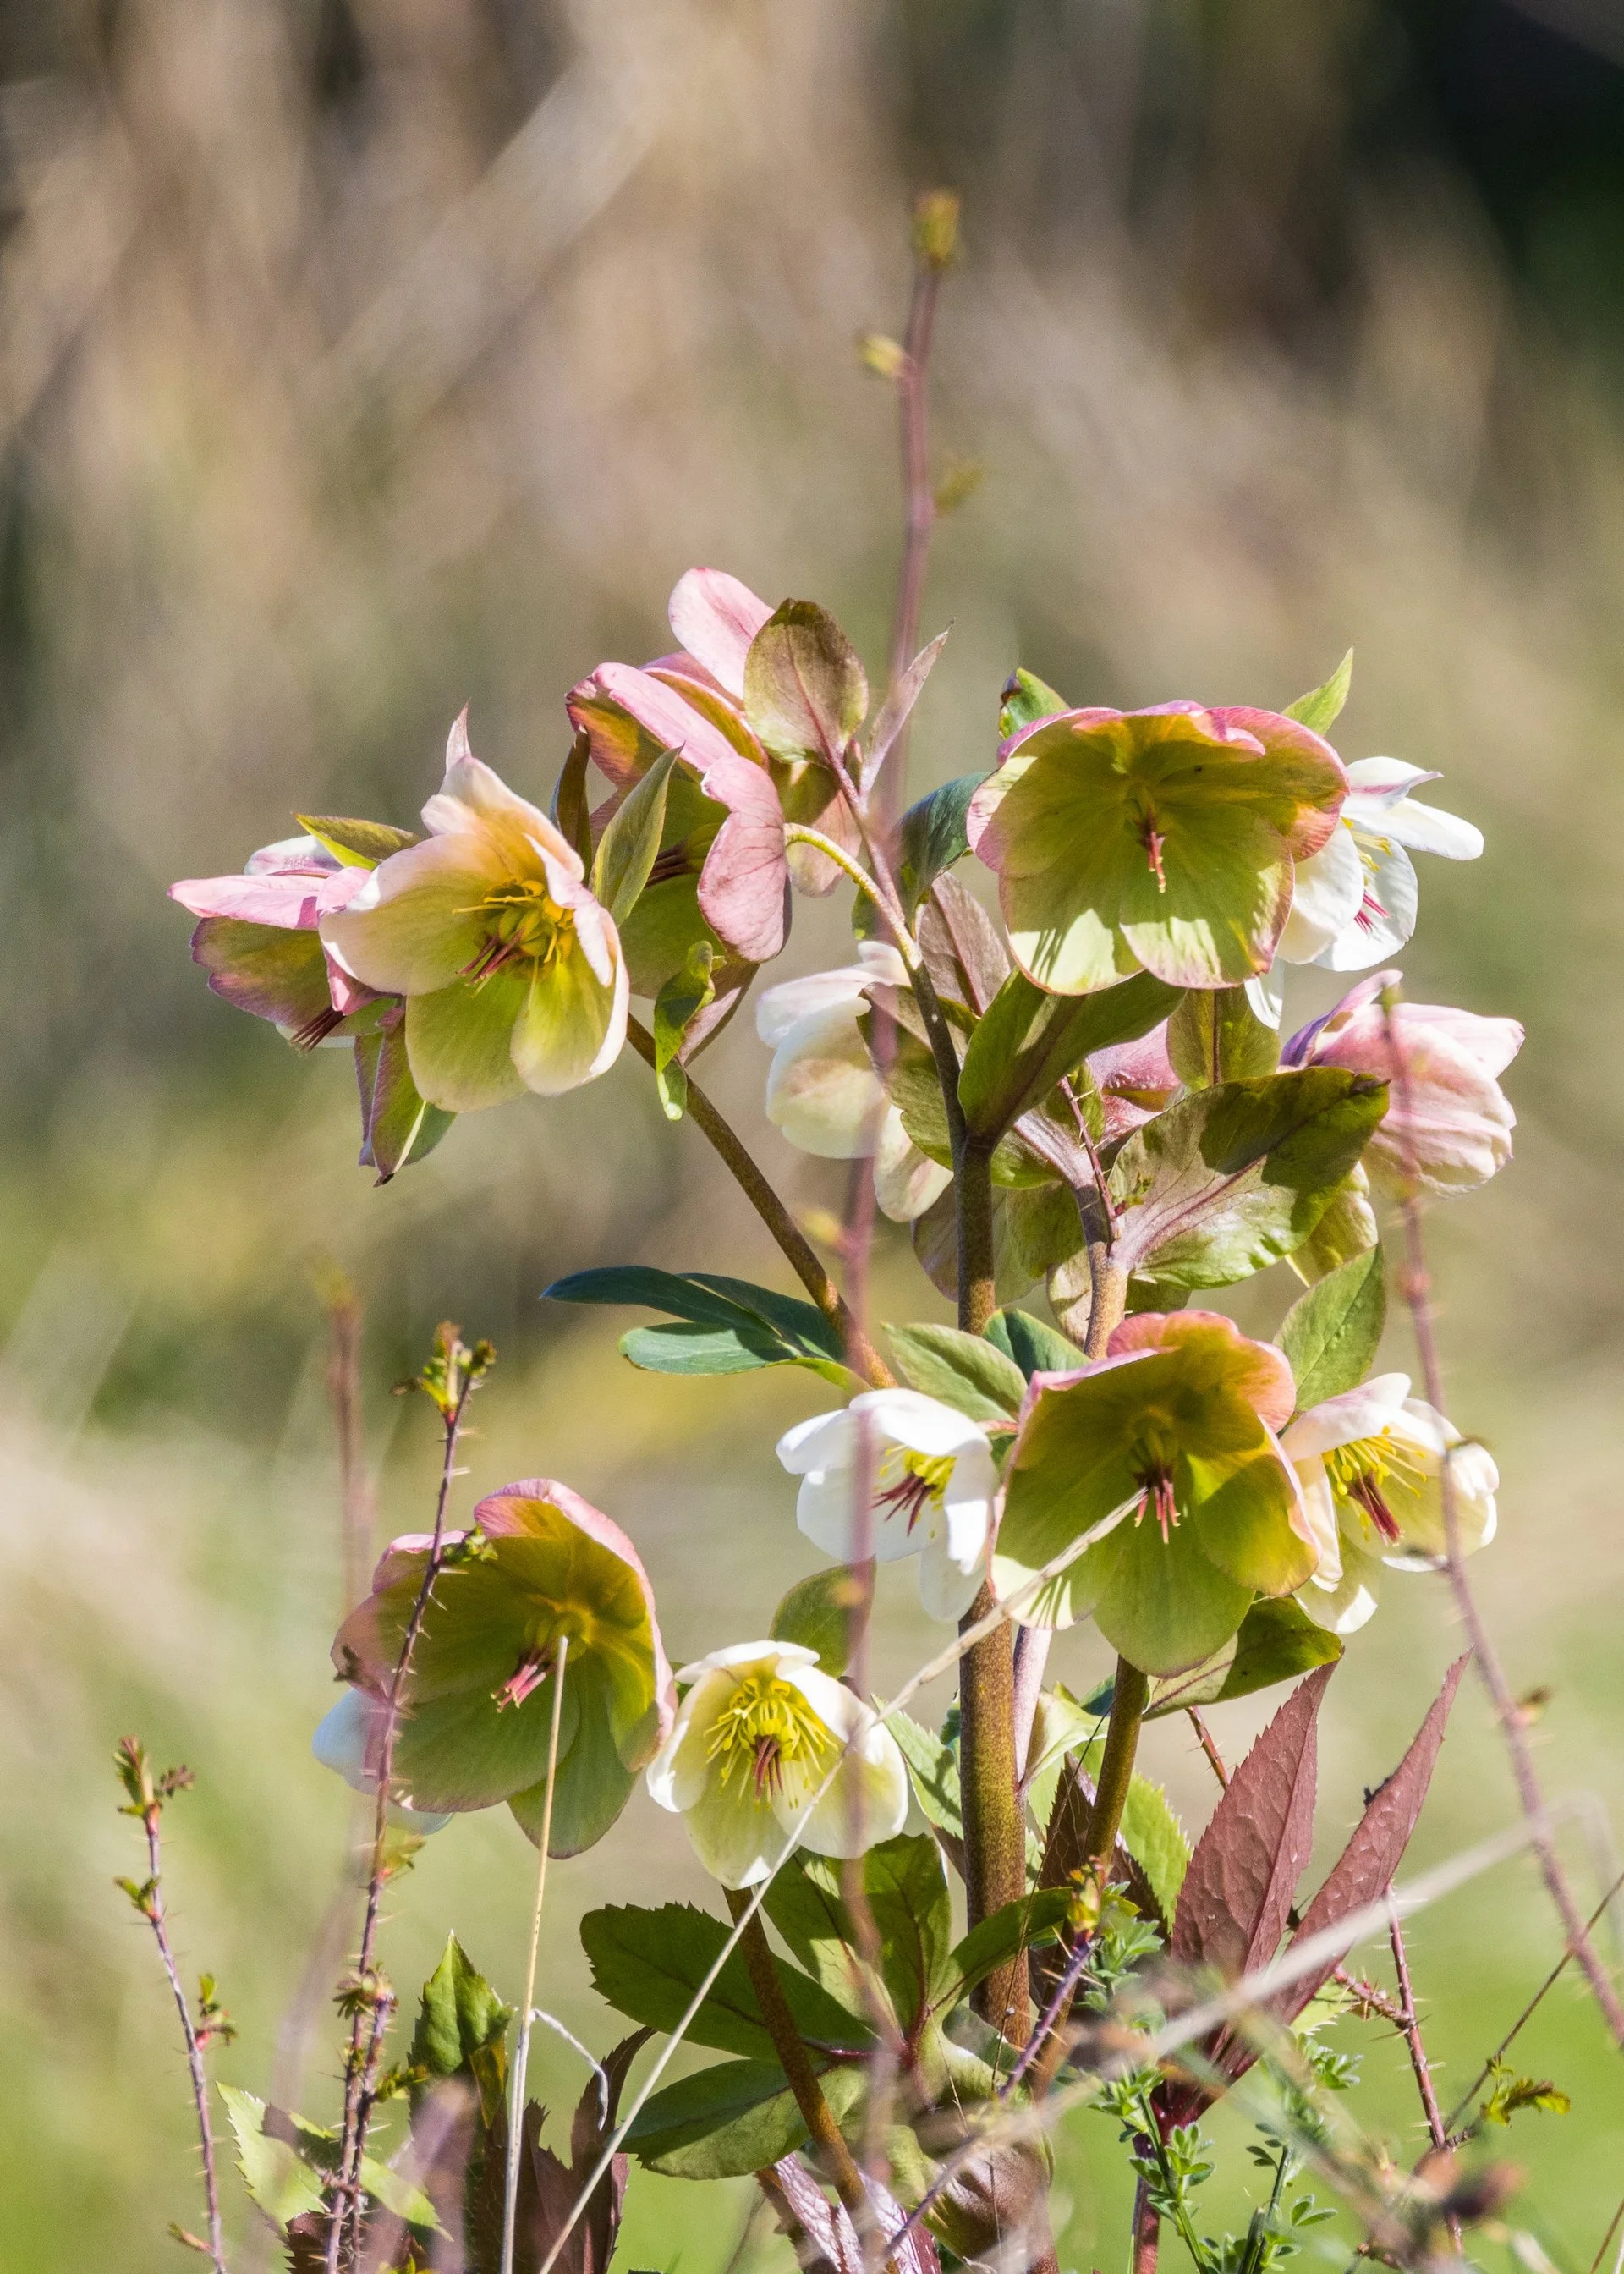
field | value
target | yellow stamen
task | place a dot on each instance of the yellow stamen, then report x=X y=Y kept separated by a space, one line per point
x=766 y=1723
x=1359 y=1475
x=522 y=921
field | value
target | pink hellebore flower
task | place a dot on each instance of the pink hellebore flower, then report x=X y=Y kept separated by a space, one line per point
x=1371 y=1464
x=1452 y=1130
x=242 y=941
x=512 y=972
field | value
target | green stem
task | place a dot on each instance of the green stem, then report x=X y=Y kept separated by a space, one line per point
x=862 y=1354
x=795 y=2060
x=994 y=1835
x=1129 y=1699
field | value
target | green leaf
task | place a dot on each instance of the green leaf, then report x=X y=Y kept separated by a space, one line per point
x=1331 y=1334
x=906 y=1888
x=1319 y=710
x=1035 y=1348
x=969 y=1374
x=1027 y=699
x=817 y=1613
x=460 y=2017
x=804 y=1902
x=931 y=838
x=1029 y=1039
x=572 y=811
x=729 y=1326
x=1347 y=1229
x=678 y=1003
x=1230 y=1180
x=1214 y=1036
x=648 y=1963
x=805 y=692
x=732 y=2119
x=358 y=844
x=1277 y=1641
x=1154 y=1836
x=933 y=1771
x=398 y=1125
x=631 y=841
x=1027 y=1923
x=277 y=2176
x=1508 y=2093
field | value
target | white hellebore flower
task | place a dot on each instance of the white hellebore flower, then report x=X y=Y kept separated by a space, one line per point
x=755 y=1738
x=932 y=1483
x=1371 y=1464
x=349 y=1739
x=1354 y=903
x=823 y=1091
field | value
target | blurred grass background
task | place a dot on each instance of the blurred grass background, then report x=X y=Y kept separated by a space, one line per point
x=362 y=357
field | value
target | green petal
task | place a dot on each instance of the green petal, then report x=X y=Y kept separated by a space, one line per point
x=462 y=1751
x=593 y=1782
x=423 y=929
x=1164 y=1606
x=1245 y=1522
x=565 y=1016
x=460 y=1042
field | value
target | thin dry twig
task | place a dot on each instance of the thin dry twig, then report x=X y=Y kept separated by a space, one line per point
x=522 y=2058
x=147 y=1800
x=1416 y=1287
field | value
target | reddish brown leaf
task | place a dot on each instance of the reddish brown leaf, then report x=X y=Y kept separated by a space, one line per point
x=1236 y=1894
x=827 y=2240
x=1364 y=1870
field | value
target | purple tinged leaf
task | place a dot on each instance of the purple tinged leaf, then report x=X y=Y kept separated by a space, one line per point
x=806 y=694
x=897 y=707
x=1364 y=1870
x=1236 y=1894
x=830 y=2244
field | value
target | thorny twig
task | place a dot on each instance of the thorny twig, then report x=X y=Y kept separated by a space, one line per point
x=146 y=1803
x=1416 y=1287
x=450 y=1379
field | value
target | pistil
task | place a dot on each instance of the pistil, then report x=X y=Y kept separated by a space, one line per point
x=532 y=1671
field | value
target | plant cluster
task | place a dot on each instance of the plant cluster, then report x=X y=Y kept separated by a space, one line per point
x=1092 y=1095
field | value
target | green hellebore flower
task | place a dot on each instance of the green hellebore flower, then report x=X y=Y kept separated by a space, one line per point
x=539 y=1564
x=1164 y=839
x=1169 y=1443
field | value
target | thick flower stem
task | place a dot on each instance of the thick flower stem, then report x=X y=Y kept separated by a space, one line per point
x=1129 y=1698
x=972 y=1188
x=1146 y=2233
x=795 y=2060
x=802 y=1259
x=1108 y=1302
x=994 y=1835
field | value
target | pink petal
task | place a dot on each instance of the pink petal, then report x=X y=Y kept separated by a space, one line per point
x=715 y=618
x=293 y=901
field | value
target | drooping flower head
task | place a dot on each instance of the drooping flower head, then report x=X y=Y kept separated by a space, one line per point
x=1354 y=901
x=1161 y=838
x=512 y=972
x=349 y=1740
x=1370 y=1464
x=1448 y=1127
x=1169 y=1440
x=259 y=941
x=823 y=1091
x=931 y=1480
x=538 y=1564
x=755 y=1740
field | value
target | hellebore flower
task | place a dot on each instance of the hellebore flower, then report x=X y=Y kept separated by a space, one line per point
x=823 y=1091
x=931 y=1489
x=257 y=938
x=1164 y=839
x=1449 y=1127
x=755 y=1738
x=513 y=972
x=349 y=1740
x=1370 y=1464
x=1169 y=1442
x=1354 y=901
x=539 y=1564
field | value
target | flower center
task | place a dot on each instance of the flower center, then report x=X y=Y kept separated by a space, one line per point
x=1370 y=907
x=533 y=1671
x=765 y=1724
x=523 y=922
x=919 y=1481
x=1360 y=1472
x=1153 y=839
x=1151 y=1466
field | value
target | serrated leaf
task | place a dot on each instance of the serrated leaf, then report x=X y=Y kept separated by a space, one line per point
x=630 y=843
x=1331 y=1334
x=967 y=1372
x=906 y=1888
x=1238 y=1889
x=805 y=1903
x=1028 y=1039
x=1027 y=1923
x=729 y=1326
x=805 y=692
x=1027 y=699
x=357 y=844
x=1276 y=1642
x=1319 y=709
x=732 y=2119
x=459 y=2016
x=280 y=2181
x=1214 y=1036
x=1231 y=1179
x=648 y=1963
x=817 y=1613
x=1035 y=1348
x=931 y=838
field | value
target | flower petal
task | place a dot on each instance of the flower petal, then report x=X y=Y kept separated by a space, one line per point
x=715 y=618
x=459 y=1041
x=1364 y=1412
x=1385 y=917
x=414 y=926
x=1326 y=895
x=823 y=1091
x=906 y=1181
x=570 y=1026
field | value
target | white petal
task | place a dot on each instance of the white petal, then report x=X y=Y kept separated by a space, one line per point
x=823 y=1091
x=1351 y=1602
x=1426 y=829
x=823 y=1441
x=906 y=1180
x=965 y=1520
x=1326 y=894
x=1266 y=996
x=945 y=1589
x=1380 y=782
x=827 y=1513
x=1319 y=1508
x=783 y=1006
x=907 y=1417
x=340 y=1742
x=1385 y=918
x=769 y=1657
x=1362 y=1412
x=736 y=1836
